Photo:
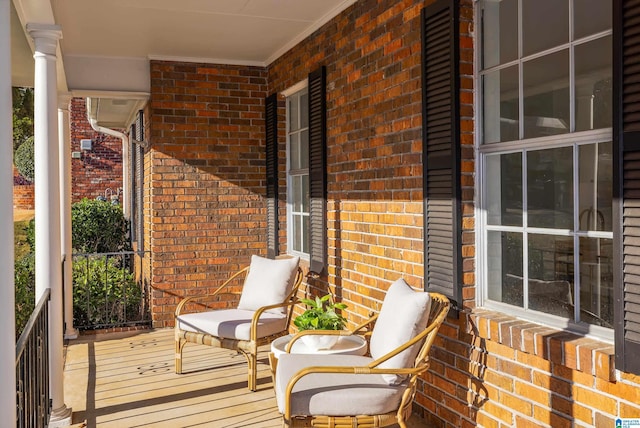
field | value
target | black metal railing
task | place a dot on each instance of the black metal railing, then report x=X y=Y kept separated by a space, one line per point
x=110 y=290
x=32 y=369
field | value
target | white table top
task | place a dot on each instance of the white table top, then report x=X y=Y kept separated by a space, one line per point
x=352 y=345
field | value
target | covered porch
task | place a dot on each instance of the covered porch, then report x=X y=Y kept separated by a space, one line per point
x=128 y=380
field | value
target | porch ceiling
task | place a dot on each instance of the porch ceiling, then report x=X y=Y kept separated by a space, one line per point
x=107 y=44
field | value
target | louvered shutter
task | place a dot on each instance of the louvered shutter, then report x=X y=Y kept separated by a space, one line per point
x=318 y=171
x=626 y=80
x=440 y=153
x=271 y=138
x=139 y=165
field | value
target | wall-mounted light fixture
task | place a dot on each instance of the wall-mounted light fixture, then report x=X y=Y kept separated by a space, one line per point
x=85 y=144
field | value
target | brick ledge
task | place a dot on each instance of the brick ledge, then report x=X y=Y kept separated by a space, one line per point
x=556 y=346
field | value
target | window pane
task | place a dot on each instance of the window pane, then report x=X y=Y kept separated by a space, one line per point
x=296 y=181
x=591 y=16
x=546 y=95
x=504 y=263
x=596 y=186
x=292 y=109
x=294 y=151
x=297 y=232
x=499 y=32
x=593 y=84
x=545 y=24
x=551 y=274
x=304 y=110
x=305 y=234
x=550 y=188
x=305 y=193
x=596 y=281
x=504 y=189
x=304 y=149
x=500 y=105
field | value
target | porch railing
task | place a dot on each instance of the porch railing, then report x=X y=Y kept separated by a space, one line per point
x=110 y=290
x=32 y=369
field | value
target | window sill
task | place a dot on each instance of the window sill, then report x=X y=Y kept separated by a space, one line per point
x=571 y=350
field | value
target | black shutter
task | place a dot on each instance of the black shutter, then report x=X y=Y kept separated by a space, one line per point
x=271 y=138
x=626 y=81
x=441 y=153
x=318 y=170
x=139 y=165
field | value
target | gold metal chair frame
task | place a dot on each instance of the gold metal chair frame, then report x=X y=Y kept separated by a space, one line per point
x=439 y=309
x=248 y=348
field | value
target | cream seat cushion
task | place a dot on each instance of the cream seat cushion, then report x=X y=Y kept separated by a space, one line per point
x=334 y=394
x=232 y=323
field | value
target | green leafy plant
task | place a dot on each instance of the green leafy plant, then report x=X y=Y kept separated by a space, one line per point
x=98 y=227
x=321 y=315
x=25 y=290
x=104 y=292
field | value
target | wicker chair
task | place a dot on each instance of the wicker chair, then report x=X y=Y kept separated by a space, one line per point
x=344 y=391
x=263 y=312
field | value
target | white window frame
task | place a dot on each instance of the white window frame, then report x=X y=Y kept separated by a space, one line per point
x=294 y=91
x=571 y=139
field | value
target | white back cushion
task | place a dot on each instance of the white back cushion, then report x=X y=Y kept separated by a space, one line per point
x=403 y=315
x=268 y=283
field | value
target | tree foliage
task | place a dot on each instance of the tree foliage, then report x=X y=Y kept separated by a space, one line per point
x=23 y=159
x=22 y=115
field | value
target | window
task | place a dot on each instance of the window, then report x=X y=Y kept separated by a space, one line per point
x=546 y=160
x=298 y=235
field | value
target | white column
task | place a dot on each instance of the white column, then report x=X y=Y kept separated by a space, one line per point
x=126 y=180
x=47 y=206
x=64 y=131
x=7 y=297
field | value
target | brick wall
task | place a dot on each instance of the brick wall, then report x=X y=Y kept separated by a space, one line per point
x=372 y=55
x=99 y=171
x=487 y=369
x=23 y=196
x=207 y=170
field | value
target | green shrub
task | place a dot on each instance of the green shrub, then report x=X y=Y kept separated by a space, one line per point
x=23 y=159
x=25 y=290
x=98 y=227
x=104 y=291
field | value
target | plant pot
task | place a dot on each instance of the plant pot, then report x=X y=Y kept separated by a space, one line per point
x=318 y=342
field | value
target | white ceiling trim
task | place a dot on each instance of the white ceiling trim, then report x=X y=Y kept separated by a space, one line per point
x=220 y=61
x=309 y=30
x=116 y=95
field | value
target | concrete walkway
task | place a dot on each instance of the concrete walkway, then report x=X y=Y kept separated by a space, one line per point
x=127 y=380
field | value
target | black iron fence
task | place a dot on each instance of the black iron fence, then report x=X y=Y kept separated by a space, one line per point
x=32 y=369
x=109 y=290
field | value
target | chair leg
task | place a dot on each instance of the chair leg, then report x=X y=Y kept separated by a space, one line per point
x=253 y=370
x=179 y=347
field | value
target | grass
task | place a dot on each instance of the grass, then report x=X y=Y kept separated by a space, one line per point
x=20 y=238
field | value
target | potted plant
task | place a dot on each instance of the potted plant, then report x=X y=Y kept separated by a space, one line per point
x=320 y=315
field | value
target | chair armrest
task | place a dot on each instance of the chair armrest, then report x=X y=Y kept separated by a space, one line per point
x=358 y=331
x=186 y=300
x=253 y=334
x=217 y=292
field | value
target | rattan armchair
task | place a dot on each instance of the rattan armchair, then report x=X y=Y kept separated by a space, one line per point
x=262 y=315
x=345 y=391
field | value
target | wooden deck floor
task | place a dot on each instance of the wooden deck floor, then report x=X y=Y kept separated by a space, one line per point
x=127 y=380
